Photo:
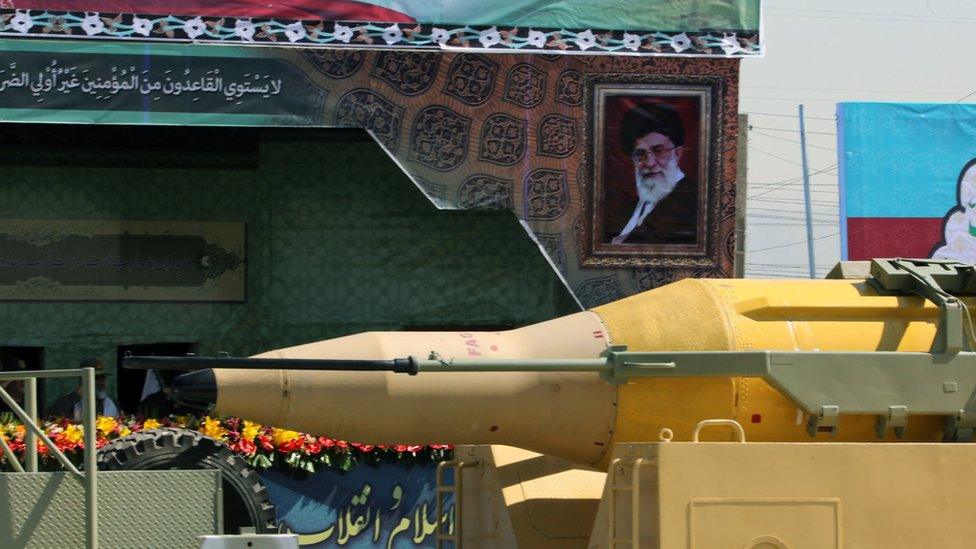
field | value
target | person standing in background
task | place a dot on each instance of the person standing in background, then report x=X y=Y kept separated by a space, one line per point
x=69 y=404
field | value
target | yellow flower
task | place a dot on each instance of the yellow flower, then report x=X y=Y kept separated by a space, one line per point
x=124 y=431
x=151 y=424
x=212 y=428
x=106 y=425
x=251 y=430
x=281 y=436
x=74 y=434
x=181 y=421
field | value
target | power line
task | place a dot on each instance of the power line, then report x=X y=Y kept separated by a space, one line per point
x=788 y=181
x=859 y=90
x=787 y=115
x=757 y=185
x=792 y=243
x=968 y=95
x=787 y=160
x=787 y=265
x=751 y=127
x=794 y=201
x=793 y=141
x=792 y=100
x=815 y=223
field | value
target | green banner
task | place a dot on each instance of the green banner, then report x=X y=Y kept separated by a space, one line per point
x=201 y=85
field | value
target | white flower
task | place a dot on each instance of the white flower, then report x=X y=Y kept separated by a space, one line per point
x=680 y=42
x=730 y=44
x=194 y=27
x=439 y=35
x=295 y=31
x=489 y=37
x=21 y=21
x=537 y=38
x=392 y=34
x=141 y=26
x=92 y=24
x=585 y=40
x=631 y=41
x=342 y=33
x=244 y=29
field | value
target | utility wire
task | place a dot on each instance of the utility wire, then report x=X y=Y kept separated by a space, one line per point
x=751 y=127
x=794 y=201
x=788 y=181
x=792 y=243
x=791 y=140
x=776 y=156
x=968 y=95
x=787 y=115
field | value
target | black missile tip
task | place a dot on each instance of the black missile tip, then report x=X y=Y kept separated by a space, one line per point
x=196 y=389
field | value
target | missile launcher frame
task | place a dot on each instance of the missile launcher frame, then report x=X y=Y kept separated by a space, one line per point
x=816 y=475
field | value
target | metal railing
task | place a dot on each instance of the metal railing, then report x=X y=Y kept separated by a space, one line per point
x=442 y=490
x=34 y=433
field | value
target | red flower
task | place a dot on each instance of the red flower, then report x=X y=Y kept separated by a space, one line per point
x=290 y=446
x=265 y=442
x=243 y=446
x=312 y=446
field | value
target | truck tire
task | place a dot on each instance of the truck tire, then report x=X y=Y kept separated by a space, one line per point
x=246 y=502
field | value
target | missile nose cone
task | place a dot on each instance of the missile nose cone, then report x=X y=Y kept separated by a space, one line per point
x=196 y=389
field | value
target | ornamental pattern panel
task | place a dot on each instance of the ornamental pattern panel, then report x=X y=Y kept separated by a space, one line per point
x=336 y=63
x=646 y=278
x=437 y=193
x=598 y=291
x=553 y=245
x=409 y=73
x=557 y=136
x=730 y=247
x=471 y=78
x=439 y=138
x=483 y=192
x=569 y=88
x=525 y=85
x=546 y=195
x=503 y=139
x=370 y=110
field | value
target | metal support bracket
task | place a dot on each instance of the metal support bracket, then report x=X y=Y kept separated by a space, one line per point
x=960 y=427
x=824 y=422
x=932 y=279
x=897 y=419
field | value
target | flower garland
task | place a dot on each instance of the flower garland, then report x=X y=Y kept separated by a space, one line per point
x=262 y=446
x=22 y=22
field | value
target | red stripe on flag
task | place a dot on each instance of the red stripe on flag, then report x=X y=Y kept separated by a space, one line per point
x=871 y=237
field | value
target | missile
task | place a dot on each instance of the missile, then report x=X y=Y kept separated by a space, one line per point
x=550 y=387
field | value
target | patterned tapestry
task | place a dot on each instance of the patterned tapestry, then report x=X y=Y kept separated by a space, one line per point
x=473 y=131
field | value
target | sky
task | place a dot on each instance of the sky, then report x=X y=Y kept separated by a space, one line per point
x=820 y=53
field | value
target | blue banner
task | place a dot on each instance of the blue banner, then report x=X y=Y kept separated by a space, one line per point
x=387 y=506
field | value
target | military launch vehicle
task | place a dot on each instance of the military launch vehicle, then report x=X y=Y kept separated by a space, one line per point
x=706 y=413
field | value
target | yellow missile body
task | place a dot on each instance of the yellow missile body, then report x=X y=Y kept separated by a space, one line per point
x=579 y=415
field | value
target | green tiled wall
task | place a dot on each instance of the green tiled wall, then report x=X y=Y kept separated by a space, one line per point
x=338 y=241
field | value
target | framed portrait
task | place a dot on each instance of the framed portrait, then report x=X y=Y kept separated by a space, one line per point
x=653 y=159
